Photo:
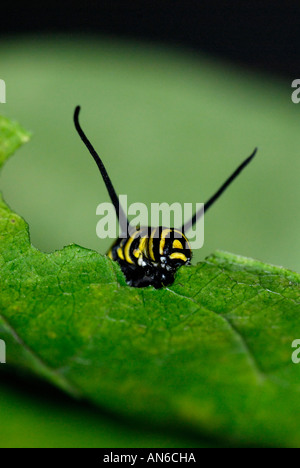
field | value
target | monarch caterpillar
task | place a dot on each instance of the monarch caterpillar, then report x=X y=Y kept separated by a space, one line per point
x=151 y=256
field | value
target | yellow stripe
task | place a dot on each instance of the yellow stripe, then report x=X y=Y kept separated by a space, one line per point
x=141 y=250
x=186 y=239
x=120 y=253
x=109 y=254
x=163 y=240
x=177 y=244
x=127 y=247
x=150 y=245
x=178 y=256
x=143 y=245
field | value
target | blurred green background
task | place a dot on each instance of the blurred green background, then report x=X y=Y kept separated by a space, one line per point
x=171 y=126
x=40 y=417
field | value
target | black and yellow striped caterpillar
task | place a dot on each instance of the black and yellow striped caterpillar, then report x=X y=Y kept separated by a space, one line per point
x=150 y=256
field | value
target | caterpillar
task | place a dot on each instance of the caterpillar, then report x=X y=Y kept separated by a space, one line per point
x=150 y=256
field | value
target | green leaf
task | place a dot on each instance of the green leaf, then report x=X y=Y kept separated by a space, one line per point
x=210 y=355
x=12 y=136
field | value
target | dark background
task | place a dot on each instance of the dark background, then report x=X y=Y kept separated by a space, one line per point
x=261 y=34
